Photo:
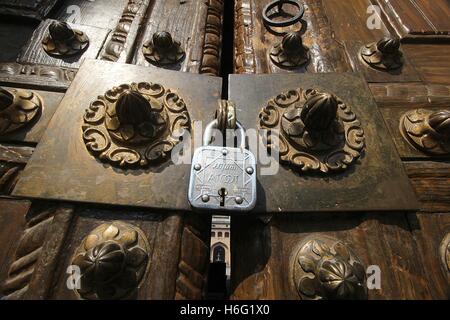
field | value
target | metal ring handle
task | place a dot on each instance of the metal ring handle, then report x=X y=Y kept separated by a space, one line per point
x=215 y=125
x=285 y=23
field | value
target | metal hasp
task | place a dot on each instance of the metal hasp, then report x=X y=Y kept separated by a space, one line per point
x=325 y=268
x=98 y=148
x=163 y=50
x=223 y=178
x=385 y=55
x=267 y=13
x=427 y=130
x=132 y=125
x=18 y=108
x=335 y=152
x=318 y=131
x=64 y=168
x=290 y=53
x=62 y=41
x=113 y=260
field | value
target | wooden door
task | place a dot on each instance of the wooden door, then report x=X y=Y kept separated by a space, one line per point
x=41 y=238
x=65 y=202
x=408 y=248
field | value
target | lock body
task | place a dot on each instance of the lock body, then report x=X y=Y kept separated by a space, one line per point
x=223 y=179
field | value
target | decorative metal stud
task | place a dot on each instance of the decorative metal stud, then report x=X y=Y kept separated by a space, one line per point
x=17 y=109
x=163 y=50
x=326 y=268
x=427 y=130
x=445 y=253
x=132 y=125
x=62 y=41
x=318 y=132
x=113 y=260
x=384 y=55
x=290 y=53
x=135 y=121
x=267 y=13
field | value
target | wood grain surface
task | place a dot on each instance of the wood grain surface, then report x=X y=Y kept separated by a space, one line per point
x=253 y=42
x=12 y=161
x=417 y=20
x=197 y=25
x=382 y=240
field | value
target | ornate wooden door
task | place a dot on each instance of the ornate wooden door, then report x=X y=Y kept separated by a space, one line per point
x=165 y=253
x=91 y=206
x=319 y=255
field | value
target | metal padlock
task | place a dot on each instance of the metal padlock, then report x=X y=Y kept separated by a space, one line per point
x=223 y=178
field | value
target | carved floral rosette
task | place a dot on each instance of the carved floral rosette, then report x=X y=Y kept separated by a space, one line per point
x=384 y=55
x=101 y=129
x=113 y=260
x=326 y=268
x=290 y=53
x=346 y=130
x=23 y=107
x=60 y=49
x=162 y=50
x=427 y=130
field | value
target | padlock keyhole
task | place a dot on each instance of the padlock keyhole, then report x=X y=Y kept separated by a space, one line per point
x=223 y=193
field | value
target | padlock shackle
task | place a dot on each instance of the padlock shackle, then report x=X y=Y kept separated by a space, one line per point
x=242 y=131
x=207 y=137
x=215 y=125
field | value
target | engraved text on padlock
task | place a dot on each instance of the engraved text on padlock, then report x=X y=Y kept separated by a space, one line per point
x=223 y=178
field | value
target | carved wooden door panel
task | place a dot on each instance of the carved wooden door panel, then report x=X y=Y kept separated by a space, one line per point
x=295 y=255
x=165 y=252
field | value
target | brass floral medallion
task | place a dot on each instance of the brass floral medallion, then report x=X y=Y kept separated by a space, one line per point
x=317 y=132
x=326 y=268
x=162 y=50
x=113 y=260
x=445 y=253
x=135 y=125
x=17 y=109
x=385 y=55
x=63 y=41
x=427 y=130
